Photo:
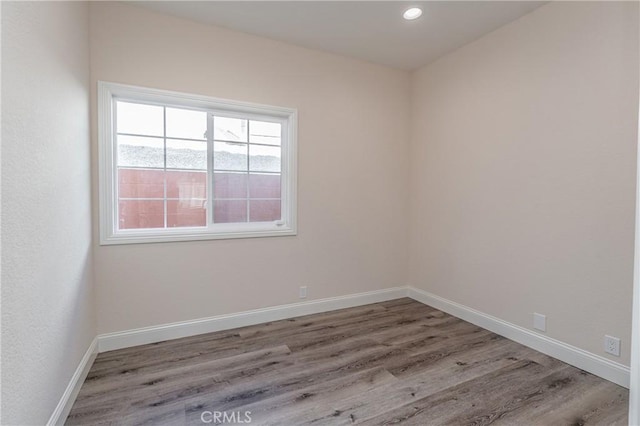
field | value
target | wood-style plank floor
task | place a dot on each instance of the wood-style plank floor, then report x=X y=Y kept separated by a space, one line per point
x=386 y=363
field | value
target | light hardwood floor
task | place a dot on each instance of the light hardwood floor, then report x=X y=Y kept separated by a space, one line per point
x=386 y=363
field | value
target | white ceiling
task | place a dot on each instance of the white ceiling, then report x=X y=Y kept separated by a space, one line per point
x=370 y=30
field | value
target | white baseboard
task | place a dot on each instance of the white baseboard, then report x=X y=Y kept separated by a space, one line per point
x=71 y=392
x=595 y=364
x=142 y=336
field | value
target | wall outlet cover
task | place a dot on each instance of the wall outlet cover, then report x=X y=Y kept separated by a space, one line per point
x=539 y=321
x=612 y=345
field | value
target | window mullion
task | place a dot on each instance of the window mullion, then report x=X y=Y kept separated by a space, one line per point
x=210 y=171
x=164 y=134
x=248 y=169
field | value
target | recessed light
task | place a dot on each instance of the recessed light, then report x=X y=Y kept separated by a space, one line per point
x=411 y=14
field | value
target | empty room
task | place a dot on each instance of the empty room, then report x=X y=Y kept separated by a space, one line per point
x=319 y=212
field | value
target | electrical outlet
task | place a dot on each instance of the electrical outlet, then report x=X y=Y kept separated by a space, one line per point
x=612 y=345
x=539 y=321
x=303 y=292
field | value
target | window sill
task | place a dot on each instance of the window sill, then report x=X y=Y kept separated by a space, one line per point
x=192 y=234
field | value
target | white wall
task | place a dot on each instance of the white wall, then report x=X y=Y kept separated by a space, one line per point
x=522 y=179
x=47 y=299
x=523 y=172
x=353 y=170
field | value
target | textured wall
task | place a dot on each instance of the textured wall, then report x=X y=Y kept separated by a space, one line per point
x=47 y=301
x=353 y=170
x=523 y=172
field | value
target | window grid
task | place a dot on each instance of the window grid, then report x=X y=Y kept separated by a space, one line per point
x=196 y=199
x=165 y=199
x=168 y=169
x=248 y=173
x=167 y=137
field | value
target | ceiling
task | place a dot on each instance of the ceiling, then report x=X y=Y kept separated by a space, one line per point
x=373 y=31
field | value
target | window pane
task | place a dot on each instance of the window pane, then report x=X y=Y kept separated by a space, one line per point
x=229 y=129
x=264 y=186
x=136 y=214
x=187 y=124
x=229 y=211
x=140 y=183
x=264 y=132
x=229 y=156
x=140 y=119
x=186 y=185
x=186 y=154
x=264 y=210
x=264 y=158
x=137 y=151
x=229 y=185
x=186 y=213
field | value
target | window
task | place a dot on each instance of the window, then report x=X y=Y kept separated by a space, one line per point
x=180 y=167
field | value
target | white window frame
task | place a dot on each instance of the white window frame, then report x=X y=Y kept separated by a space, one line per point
x=109 y=93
